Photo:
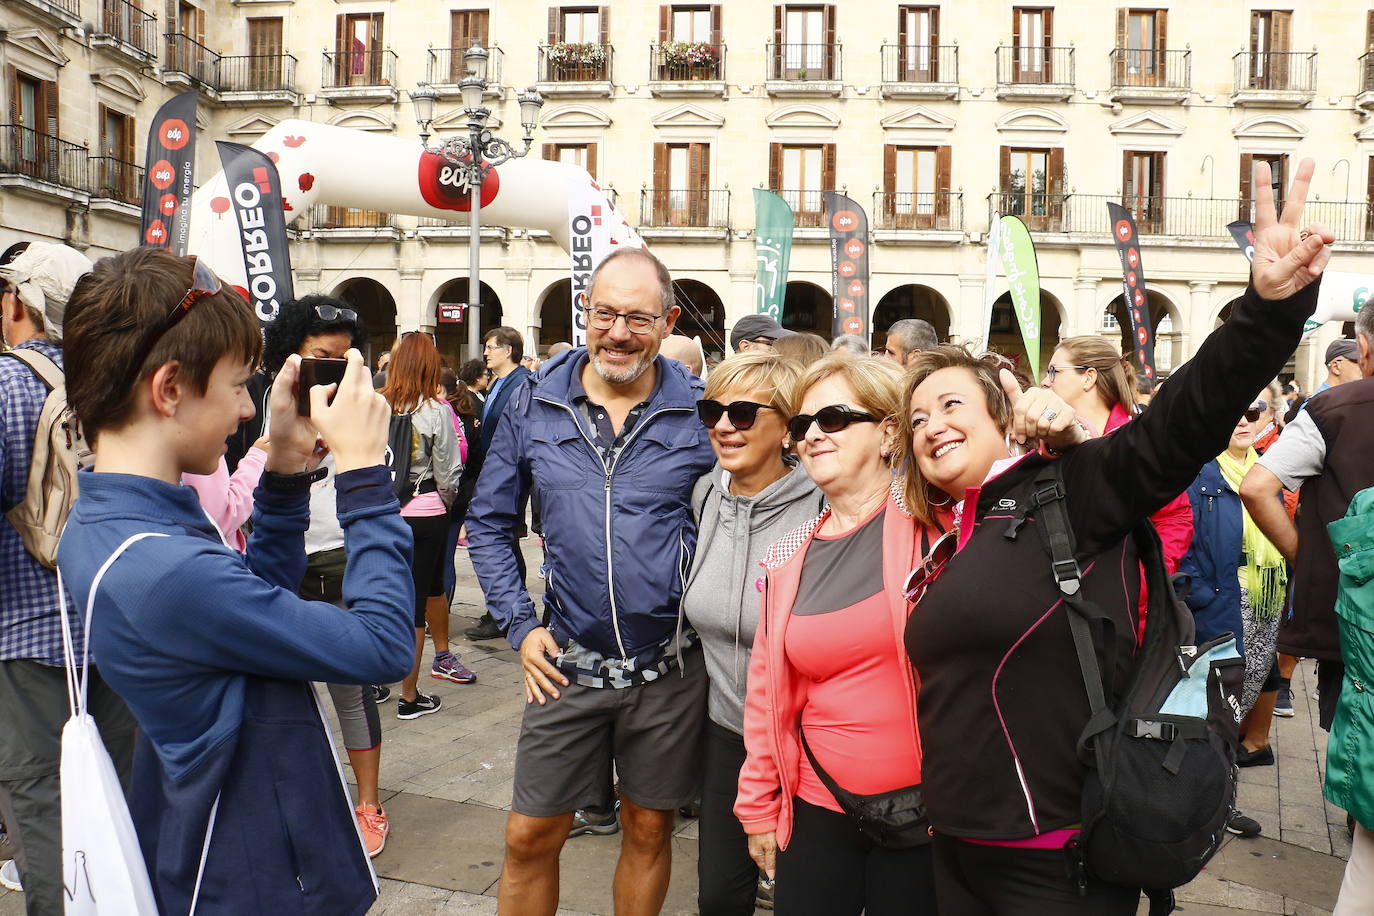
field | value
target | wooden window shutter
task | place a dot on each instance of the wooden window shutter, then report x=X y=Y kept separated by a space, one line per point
x=774 y=166
x=1048 y=19
x=901 y=26
x=603 y=19
x=457 y=29
x=1247 y=184
x=889 y=173
x=50 y=106
x=12 y=80
x=1004 y=170
x=1161 y=29
x=1127 y=175
x=200 y=25
x=665 y=23
x=831 y=50
x=1283 y=25
x=1157 y=185
x=1054 y=181
x=1369 y=189
x=776 y=68
x=550 y=152
x=943 y=200
x=1015 y=45
x=698 y=183
x=555 y=25
x=1369 y=31
x=374 y=37
x=828 y=167
x=591 y=159
x=715 y=26
x=127 y=149
x=660 y=199
x=1256 y=27
x=1119 y=65
x=341 y=46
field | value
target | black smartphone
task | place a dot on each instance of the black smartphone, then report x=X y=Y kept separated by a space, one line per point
x=317 y=372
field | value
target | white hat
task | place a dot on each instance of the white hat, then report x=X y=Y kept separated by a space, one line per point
x=43 y=278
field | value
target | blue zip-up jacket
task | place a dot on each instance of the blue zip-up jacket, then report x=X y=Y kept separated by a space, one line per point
x=1214 y=558
x=618 y=539
x=212 y=651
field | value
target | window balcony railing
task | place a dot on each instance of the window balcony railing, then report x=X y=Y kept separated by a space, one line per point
x=1276 y=71
x=934 y=210
x=804 y=63
x=128 y=26
x=447 y=68
x=1367 y=71
x=187 y=56
x=1031 y=65
x=1040 y=211
x=116 y=179
x=43 y=157
x=808 y=207
x=921 y=64
x=67 y=12
x=257 y=73
x=686 y=62
x=695 y=208
x=574 y=62
x=1151 y=68
x=326 y=217
x=358 y=68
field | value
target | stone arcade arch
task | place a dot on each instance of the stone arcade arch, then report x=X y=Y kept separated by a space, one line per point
x=703 y=315
x=911 y=301
x=376 y=307
x=1166 y=323
x=808 y=307
x=452 y=338
x=1006 y=333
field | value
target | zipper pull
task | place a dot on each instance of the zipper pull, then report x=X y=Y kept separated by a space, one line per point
x=608 y=478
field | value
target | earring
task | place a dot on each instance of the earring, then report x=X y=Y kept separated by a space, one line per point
x=948 y=498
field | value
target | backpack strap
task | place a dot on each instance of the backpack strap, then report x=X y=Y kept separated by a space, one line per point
x=40 y=365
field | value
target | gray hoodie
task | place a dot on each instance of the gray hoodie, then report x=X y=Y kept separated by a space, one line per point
x=721 y=596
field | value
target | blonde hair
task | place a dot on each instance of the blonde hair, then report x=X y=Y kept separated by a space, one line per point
x=1116 y=381
x=756 y=370
x=985 y=369
x=876 y=383
x=804 y=349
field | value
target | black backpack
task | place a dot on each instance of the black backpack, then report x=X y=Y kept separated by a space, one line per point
x=399 y=451
x=1160 y=786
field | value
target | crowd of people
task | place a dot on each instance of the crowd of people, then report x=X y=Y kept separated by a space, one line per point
x=772 y=594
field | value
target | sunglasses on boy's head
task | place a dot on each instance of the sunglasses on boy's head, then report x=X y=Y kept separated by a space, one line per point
x=742 y=414
x=830 y=419
x=1255 y=411
x=203 y=283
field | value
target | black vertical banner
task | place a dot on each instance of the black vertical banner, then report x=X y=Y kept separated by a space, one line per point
x=1133 y=287
x=255 y=189
x=848 y=264
x=1243 y=231
x=169 y=175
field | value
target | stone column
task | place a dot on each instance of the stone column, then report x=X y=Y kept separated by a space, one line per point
x=411 y=312
x=1199 y=323
x=1083 y=318
x=969 y=321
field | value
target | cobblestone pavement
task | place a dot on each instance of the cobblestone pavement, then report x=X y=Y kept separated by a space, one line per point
x=446 y=785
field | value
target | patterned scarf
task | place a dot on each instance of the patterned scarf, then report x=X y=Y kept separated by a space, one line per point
x=1264 y=574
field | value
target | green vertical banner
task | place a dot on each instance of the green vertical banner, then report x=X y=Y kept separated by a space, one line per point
x=1023 y=281
x=772 y=250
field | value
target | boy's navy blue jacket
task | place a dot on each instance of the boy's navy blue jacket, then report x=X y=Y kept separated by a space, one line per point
x=1215 y=556
x=618 y=537
x=238 y=799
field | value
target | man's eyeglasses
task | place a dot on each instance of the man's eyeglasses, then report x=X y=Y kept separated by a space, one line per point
x=1052 y=371
x=203 y=283
x=742 y=414
x=604 y=320
x=333 y=313
x=921 y=577
x=830 y=419
x=1255 y=411
x=492 y=346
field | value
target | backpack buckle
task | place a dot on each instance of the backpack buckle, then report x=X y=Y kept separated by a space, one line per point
x=1048 y=493
x=1067 y=575
x=1160 y=731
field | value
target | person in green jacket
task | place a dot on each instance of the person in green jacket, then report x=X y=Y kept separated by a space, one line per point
x=1349 y=777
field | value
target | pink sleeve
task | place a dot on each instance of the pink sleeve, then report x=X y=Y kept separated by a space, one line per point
x=228 y=501
x=1175 y=526
x=760 y=787
x=458 y=428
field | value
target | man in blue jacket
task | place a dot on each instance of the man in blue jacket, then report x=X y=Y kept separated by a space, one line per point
x=607 y=437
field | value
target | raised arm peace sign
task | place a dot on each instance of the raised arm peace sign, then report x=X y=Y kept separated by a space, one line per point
x=1288 y=256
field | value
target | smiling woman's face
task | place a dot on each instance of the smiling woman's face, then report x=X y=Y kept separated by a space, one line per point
x=850 y=457
x=748 y=451
x=954 y=438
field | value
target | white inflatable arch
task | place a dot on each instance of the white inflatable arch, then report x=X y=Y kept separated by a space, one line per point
x=343 y=167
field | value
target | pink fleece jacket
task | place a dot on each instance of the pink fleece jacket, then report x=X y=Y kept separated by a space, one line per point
x=228 y=500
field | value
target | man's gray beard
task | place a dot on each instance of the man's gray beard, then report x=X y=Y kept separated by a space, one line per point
x=625 y=377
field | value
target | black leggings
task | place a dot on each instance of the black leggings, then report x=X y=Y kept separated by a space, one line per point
x=727 y=879
x=830 y=869
x=427 y=563
x=976 y=880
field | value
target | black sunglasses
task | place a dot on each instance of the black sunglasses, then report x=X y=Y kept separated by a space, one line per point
x=203 y=283
x=742 y=414
x=830 y=419
x=1255 y=411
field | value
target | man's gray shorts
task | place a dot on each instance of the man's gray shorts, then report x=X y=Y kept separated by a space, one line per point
x=652 y=733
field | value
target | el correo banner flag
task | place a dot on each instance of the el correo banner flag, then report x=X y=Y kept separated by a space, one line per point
x=589 y=236
x=990 y=288
x=1023 y=282
x=772 y=250
x=255 y=190
x=169 y=175
x=1133 y=287
x=848 y=264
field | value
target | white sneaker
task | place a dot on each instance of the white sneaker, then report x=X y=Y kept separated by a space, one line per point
x=9 y=876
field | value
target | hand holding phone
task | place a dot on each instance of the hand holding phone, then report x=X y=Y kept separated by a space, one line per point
x=317 y=372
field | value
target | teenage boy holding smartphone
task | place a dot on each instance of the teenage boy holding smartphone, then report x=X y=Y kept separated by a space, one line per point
x=238 y=799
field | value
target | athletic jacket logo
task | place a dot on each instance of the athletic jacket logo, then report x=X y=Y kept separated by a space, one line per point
x=1006 y=504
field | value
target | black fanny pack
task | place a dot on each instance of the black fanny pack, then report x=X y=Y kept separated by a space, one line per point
x=893 y=820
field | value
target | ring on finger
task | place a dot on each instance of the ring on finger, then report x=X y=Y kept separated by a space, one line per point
x=1049 y=415
x=1304 y=234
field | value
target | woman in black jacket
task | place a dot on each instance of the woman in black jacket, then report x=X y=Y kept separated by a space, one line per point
x=1002 y=702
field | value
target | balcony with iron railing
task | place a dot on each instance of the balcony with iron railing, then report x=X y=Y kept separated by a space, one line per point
x=41 y=163
x=1274 y=78
x=125 y=28
x=1151 y=75
x=117 y=180
x=920 y=71
x=256 y=79
x=61 y=13
x=446 y=69
x=684 y=68
x=344 y=223
x=1035 y=72
x=575 y=68
x=359 y=75
x=918 y=215
x=690 y=213
x=190 y=63
x=808 y=207
x=805 y=69
x=1365 y=98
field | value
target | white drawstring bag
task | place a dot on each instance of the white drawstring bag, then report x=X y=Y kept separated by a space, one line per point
x=102 y=862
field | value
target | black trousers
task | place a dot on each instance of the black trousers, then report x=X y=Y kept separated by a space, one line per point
x=727 y=878
x=975 y=880
x=830 y=869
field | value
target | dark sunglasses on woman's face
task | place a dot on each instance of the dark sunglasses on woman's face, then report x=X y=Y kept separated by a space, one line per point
x=1255 y=411
x=830 y=419
x=742 y=414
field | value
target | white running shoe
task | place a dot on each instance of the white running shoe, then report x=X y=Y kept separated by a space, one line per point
x=9 y=876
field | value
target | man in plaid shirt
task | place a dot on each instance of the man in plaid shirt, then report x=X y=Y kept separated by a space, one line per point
x=34 y=287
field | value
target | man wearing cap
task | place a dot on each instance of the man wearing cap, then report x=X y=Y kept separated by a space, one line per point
x=756 y=332
x=34 y=288
x=1342 y=364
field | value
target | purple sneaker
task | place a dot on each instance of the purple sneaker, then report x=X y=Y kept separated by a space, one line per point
x=448 y=668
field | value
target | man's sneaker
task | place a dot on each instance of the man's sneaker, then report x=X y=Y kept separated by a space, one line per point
x=447 y=667
x=373 y=825
x=380 y=693
x=763 y=897
x=1283 y=706
x=1242 y=826
x=422 y=705
x=9 y=876
x=588 y=822
x=486 y=629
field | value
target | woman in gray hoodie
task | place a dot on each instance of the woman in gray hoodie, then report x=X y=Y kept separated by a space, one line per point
x=752 y=497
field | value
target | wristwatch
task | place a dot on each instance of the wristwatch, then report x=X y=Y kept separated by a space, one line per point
x=292 y=483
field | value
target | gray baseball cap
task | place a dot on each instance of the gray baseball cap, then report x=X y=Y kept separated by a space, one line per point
x=752 y=327
x=1343 y=347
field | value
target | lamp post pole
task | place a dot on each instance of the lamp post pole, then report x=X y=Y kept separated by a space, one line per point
x=474 y=156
